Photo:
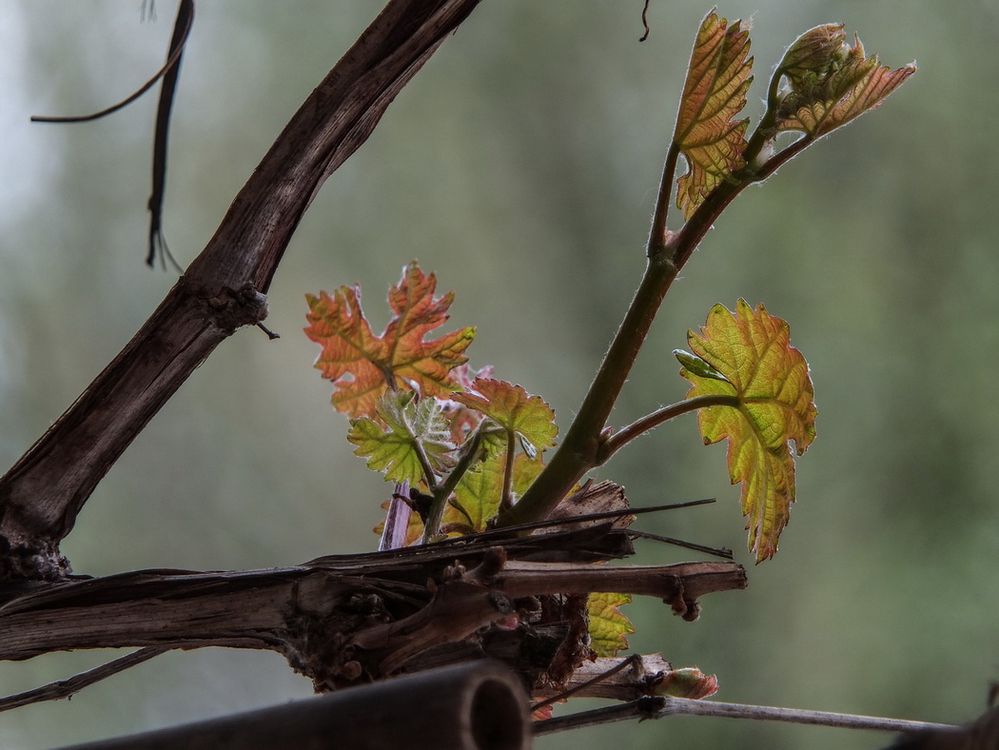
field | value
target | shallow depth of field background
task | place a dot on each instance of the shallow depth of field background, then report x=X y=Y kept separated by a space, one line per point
x=521 y=165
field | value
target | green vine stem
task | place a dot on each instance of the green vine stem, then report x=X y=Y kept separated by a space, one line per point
x=443 y=492
x=583 y=447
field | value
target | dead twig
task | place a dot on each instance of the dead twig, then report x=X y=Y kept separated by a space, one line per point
x=67 y=688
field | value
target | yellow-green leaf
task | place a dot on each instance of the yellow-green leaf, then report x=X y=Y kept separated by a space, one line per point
x=363 y=366
x=707 y=133
x=409 y=426
x=830 y=82
x=513 y=409
x=609 y=628
x=752 y=350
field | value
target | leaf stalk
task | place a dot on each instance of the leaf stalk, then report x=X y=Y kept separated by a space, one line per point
x=650 y=421
x=506 y=499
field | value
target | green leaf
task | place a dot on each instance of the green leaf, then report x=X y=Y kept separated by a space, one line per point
x=707 y=133
x=830 y=82
x=513 y=409
x=480 y=488
x=363 y=366
x=404 y=426
x=609 y=628
x=751 y=349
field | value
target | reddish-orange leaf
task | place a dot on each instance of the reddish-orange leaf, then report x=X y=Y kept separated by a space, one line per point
x=707 y=133
x=751 y=357
x=364 y=366
x=544 y=713
x=831 y=82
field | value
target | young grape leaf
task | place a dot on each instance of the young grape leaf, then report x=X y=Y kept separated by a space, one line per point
x=707 y=133
x=752 y=350
x=513 y=409
x=464 y=420
x=363 y=366
x=404 y=427
x=480 y=488
x=609 y=628
x=830 y=82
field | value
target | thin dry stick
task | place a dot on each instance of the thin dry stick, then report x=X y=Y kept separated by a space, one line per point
x=171 y=61
x=72 y=685
x=660 y=707
x=157 y=241
x=634 y=661
x=645 y=22
x=723 y=552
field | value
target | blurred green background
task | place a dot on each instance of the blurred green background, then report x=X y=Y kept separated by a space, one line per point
x=521 y=165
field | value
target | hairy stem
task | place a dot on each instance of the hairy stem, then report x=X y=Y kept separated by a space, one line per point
x=443 y=492
x=580 y=449
x=650 y=421
x=428 y=471
x=659 y=232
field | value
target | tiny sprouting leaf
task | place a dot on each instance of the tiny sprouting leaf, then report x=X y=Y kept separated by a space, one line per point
x=609 y=628
x=707 y=133
x=829 y=82
x=363 y=366
x=687 y=682
x=812 y=56
x=752 y=350
x=479 y=490
x=696 y=365
x=404 y=426
x=513 y=409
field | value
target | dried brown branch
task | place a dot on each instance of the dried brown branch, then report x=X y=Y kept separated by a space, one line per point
x=338 y=620
x=678 y=585
x=41 y=495
x=71 y=686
